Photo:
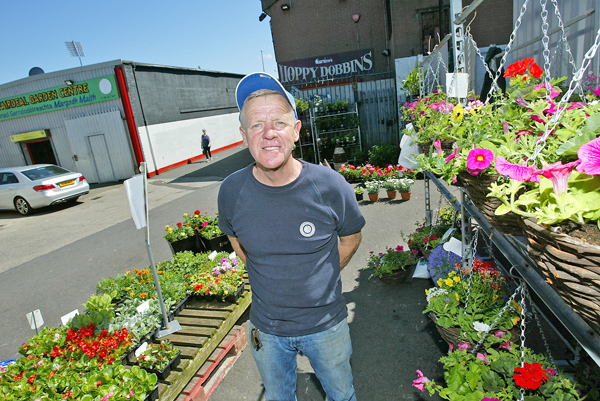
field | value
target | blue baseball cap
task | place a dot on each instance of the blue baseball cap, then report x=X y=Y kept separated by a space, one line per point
x=261 y=80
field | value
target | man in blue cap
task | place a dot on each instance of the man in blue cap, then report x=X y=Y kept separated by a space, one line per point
x=295 y=225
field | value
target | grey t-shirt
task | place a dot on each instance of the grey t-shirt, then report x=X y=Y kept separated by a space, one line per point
x=290 y=235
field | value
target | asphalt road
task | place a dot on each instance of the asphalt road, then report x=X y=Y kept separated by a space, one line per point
x=53 y=260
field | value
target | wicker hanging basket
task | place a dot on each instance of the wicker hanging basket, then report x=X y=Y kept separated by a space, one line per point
x=477 y=188
x=399 y=276
x=425 y=148
x=571 y=266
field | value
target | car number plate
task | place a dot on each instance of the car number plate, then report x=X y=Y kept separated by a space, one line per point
x=66 y=183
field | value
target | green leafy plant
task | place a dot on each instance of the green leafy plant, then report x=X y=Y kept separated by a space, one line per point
x=383 y=155
x=392 y=260
x=373 y=187
x=498 y=375
x=98 y=311
x=181 y=231
x=359 y=190
x=405 y=184
x=410 y=85
x=157 y=356
x=221 y=276
x=392 y=184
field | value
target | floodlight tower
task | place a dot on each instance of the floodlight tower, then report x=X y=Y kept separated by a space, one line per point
x=76 y=50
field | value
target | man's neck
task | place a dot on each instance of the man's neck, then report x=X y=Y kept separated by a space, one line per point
x=278 y=177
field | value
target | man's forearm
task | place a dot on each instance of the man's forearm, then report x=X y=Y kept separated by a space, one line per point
x=238 y=248
x=347 y=246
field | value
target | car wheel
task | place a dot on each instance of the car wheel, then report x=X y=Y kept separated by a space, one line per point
x=22 y=206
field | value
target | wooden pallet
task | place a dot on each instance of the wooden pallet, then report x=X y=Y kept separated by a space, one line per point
x=203 y=326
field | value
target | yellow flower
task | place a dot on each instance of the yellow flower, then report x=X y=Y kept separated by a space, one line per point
x=128 y=288
x=439 y=282
x=516 y=320
x=195 y=215
x=449 y=282
x=426 y=292
x=457 y=279
x=170 y=230
x=452 y=273
x=167 y=226
x=185 y=215
x=457 y=298
x=457 y=113
x=128 y=271
x=132 y=294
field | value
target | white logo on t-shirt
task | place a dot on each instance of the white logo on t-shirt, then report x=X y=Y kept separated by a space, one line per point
x=307 y=229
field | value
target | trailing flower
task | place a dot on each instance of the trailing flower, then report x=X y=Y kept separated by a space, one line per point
x=392 y=260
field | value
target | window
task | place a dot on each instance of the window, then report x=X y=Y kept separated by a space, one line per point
x=44 y=172
x=8 y=178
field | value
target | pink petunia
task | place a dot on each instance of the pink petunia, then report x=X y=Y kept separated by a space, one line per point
x=420 y=382
x=453 y=155
x=553 y=92
x=589 y=154
x=451 y=348
x=597 y=91
x=437 y=144
x=516 y=171
x=482 y=357
x=478 y=160
x=399 y=248
x=558 y=173
x=506 y=346
x=464 y=346
x=551 y=371
x=575 y=105
x=499 y=334
x=538 y=119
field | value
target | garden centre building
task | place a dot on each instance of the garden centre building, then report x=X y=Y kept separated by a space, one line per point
x=102 y=120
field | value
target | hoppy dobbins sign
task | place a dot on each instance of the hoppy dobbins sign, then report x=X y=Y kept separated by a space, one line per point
x=342 y=65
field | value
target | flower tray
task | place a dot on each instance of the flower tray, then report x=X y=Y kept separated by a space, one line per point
x=477 y=188
x=163 y=374
x=399 y=276
x=186 y=244
x=570 y=266
x=452 y=334
x=178 y=308
x=229 y=298
x=153 y=395
x=219 y=244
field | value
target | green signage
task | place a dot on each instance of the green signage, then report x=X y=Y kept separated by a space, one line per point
x=62 y=97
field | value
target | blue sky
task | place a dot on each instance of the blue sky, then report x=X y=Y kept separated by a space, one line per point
x=220 y=35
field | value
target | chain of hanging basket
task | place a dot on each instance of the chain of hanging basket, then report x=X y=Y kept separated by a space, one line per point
x=561 y=107
x=473 y=252
x=523 y=326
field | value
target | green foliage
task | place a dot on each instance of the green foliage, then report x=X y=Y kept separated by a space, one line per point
x=373 y=187
x=157 y=356
x=98 y=310
x=383 y=155
x=411 y=84
x=392 y=260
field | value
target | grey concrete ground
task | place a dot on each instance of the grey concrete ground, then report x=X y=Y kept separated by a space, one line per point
x=53 y=260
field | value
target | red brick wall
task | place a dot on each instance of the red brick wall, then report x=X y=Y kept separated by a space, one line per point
x=322 y=27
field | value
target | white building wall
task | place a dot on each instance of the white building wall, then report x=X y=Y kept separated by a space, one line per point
x=167 y=144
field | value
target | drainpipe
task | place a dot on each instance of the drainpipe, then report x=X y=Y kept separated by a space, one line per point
x=135 y=141
x=137 y=88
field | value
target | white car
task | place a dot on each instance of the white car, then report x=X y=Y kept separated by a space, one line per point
x=29 y=187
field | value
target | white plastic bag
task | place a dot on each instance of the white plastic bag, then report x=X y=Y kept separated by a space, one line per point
x=408 y=149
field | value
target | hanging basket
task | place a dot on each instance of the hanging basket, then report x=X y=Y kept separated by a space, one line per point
x=425 y=148
x=571 y=266
x=477 y=188
x=399 y=276
x=452 y=334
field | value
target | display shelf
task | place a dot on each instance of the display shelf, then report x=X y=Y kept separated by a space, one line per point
x=344 y=122
x=520 y=262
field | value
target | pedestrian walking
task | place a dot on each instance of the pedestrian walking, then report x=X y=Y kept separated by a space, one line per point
x=295 y=225
x=206 y=145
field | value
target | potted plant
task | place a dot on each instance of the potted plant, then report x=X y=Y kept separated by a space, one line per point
x=220 y=278
x=160 y=359
x=392 y=267
x=391 y=185
x=499 y=375
x=404 y=186
x=359 y=192
x=181 y=237
x=425 y=238
x=470 y=305
x=373 y=188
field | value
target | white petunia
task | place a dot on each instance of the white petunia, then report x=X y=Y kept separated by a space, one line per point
x=481 y=327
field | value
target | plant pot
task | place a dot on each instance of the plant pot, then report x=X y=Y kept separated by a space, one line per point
x=405 y=195
x=186 y=244
x=232 y=297
x=178 y=308
x=399 y=276
x=477 y=187
x=219 y=244
x=392 y=194
x=152 y=395
x=359 y=197
x=570 y=266
x=163 y=374
x=373 y=197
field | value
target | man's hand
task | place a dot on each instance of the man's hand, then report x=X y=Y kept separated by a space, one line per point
x=347 y=246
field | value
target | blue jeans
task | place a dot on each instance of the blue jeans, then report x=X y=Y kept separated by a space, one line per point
x=329 y=355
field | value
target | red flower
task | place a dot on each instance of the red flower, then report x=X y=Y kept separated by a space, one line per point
x=197 y=212
x=527 y=62
x=179 y=224
x=31 y=379
x=425 y=240
x=535 y=70
x=515 y=69
x=433 y=237
x=530 y=376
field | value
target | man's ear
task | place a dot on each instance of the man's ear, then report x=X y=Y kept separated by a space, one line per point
x=297 y=127
x=243 y=137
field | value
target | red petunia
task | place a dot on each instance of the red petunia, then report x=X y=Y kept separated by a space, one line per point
x=179 y=224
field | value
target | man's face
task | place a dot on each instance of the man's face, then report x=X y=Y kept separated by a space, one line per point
x=269 y=130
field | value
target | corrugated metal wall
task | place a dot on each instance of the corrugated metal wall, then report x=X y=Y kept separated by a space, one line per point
x=580 y=35
x=11 y=154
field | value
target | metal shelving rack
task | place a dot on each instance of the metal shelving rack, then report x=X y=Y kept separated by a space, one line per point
x=318 y=133
x=521 y=263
